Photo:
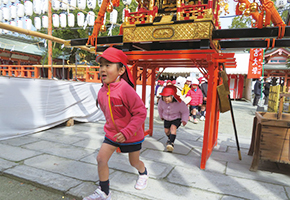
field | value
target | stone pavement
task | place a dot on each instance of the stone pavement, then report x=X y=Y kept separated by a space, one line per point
x=63 y=159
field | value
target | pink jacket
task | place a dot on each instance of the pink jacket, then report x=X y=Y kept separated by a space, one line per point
x=196 y=97
x=129 y=112
x=172 y=111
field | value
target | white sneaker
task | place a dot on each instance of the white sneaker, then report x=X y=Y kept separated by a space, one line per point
x=142 y=182
x=98 y=195
x=202 y=118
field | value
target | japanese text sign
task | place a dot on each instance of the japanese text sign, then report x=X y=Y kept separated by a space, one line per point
x=255 y=63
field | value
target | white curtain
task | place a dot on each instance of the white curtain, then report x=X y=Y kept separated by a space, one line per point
x=32 y=105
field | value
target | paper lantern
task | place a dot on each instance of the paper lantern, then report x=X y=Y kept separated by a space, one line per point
x=13 y=23
x=1 y=31
x=91 y=18
x=4 y=30
x=71 y=20
x=37 y=7
x=55 y=20
x=1 y=15
x=12 y=1
x=28 y=24
x=5 y=2
x=123 y=16
x=80 y=18
x=37 y=23
x=63 y=5
x=281 y=3
x=20 y=10
x=82 y=4
x=91 y=4
x=13 y=13
x=113 y=16
x=127 y=2
x=44 y=8
x=44 y=21
x=19 y=23
x=6 y=13
x=62 y=19
x=55 y=4
x=28 y=8
x=100 y=2
x=73 y=4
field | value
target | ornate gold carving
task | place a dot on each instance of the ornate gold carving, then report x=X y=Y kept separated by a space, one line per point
x=184 y=31
x=163 y=33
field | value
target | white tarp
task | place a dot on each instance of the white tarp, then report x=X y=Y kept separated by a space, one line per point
x=32 y=105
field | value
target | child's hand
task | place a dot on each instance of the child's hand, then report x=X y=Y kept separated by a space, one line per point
x=199 y=104
x=184 y=123
x=162 y=119
x=120 y=138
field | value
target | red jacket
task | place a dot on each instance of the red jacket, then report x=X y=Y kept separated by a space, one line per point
x=129 y=112
x=196 y=97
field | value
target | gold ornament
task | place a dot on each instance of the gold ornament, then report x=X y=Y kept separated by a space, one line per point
x=110 y=8
x=253 y=7
x=247 y=12
x=103 y=28
x=242 y=6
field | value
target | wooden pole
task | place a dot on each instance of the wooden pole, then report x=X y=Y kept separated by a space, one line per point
x=49 y=47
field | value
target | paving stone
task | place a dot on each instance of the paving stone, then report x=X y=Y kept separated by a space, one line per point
x=20 y=140
x=59 y=136
x=228 y=185
x=230 y=157
x=231 y=198
x=179 y=146
x=67 y=167
x=63 y=150
x=287 y=189
x=4 y=164
x=16 y=153
x=49 y=179
x=89 y=143
x=157 y=190
x=240 y=170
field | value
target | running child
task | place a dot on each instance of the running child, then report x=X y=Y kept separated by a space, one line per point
x=125 y=113
x=174 y=112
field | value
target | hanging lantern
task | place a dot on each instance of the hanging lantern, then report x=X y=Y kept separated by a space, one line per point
x=113 y=16
x=82 y=4
x=63 y=5
x=55 y=4
x=127 y=2
x=62 y=19
x=44 y=8
x=28 y=24
x=13 y=23
x=6 y=14
x=5 y=2
x=281 y=3
x=110 y=7
x=1 y=15
x=13 y=12
x=44 y=21
x=37 y=7
x=55 y=20
x=20 y=10
x=1 y=31
x=71 y=20
x=37 y=23
x=80 y=18
x=12 y=1
x=91 y=18
x=91 y=4
x=28 y=8
x=4 y=30
x=73 y=4
x=101 y=1
x=19 y=23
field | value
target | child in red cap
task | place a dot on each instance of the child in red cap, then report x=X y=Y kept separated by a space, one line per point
x=125 y=113
x=174 y=112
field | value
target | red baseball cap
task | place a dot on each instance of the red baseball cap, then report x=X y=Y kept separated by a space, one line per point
x=170 y=90
x=118 y=56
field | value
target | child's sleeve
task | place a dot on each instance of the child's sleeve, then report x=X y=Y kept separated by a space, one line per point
x=160 y=108
x=138 y=112
x=184 y=112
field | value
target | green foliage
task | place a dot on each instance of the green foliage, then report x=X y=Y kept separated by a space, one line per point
x=241 y=22
x=78 y=32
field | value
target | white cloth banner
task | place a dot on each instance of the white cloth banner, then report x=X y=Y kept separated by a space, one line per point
x=32 y=105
